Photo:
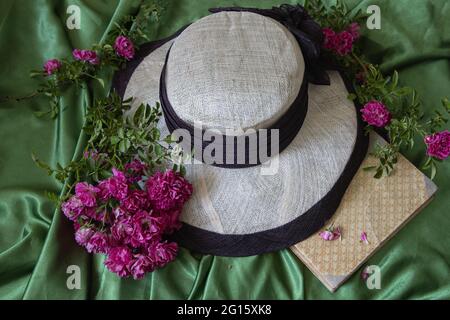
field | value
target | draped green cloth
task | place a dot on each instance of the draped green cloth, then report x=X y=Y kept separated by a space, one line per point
x=36 y=241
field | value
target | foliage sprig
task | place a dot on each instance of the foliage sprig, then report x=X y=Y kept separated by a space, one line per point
x=408 y=121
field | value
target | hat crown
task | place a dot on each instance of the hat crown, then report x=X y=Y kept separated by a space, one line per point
x=234 y=70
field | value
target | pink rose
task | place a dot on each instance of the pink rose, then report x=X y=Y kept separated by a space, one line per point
x=86 y=193
x=344 y=43
x=120 y=213
x=119 y=185
x=163 y=253
x=168 y=190
x=95 y=213
x=140 y=266
x=86 y=55
x=376 y=114
x=170 y=220
x=353 y=29
x=51 y=66
x=118 y=261
x=135 y=170
x=330 y=38
x=124 y=47
x=105 y=189
x=122 y=229
x=72 y=208
x=438 y=145
x=97 y=243
x=116 y=186
x=146 y=229
x=136 y=200
x=83 y=235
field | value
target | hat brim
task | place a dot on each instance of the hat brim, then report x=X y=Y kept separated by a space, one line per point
x=239 y=212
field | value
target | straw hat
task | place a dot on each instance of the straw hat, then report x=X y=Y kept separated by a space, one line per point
x=256 y=75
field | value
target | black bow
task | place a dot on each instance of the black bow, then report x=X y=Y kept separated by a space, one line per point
x=306 y=30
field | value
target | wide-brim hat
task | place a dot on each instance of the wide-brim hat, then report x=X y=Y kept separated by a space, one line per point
x=240 y=72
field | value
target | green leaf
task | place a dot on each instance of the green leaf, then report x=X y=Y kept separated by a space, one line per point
x=115 y=140
x=121 y=133
x=40 y=114
x=158 y=150
x=352 y=96
x=427 y=163
x=433 y=170
x=102 y=83
x=378 y=174
x=122 y=146
x=394 y=79
x=446 y=104
x=52 y=196
x=127 y=144
x=36 y=73
x=168 y=139
x=182 y=170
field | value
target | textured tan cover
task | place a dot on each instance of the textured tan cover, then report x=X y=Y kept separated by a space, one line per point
x=380 y=207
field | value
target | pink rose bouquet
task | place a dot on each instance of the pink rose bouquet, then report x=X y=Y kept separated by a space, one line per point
x=127 y=219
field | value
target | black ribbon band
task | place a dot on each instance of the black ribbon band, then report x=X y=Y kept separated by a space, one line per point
x=309 y=36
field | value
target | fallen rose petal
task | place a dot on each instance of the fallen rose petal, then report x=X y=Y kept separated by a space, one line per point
x=337 y=233
x=363 y=238
x=326 y=235
x=331 y=233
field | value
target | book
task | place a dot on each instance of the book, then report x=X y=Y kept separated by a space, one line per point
x=379 y=207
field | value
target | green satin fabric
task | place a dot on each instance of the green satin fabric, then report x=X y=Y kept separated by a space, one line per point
x=36 y=242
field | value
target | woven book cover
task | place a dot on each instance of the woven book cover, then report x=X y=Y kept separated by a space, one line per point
x=379 y=207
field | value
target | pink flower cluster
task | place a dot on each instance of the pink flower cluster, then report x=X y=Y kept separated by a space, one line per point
x=122 y=46
x=438 y=145
x=376 y=114
x=126 y=222
x=341 y=42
